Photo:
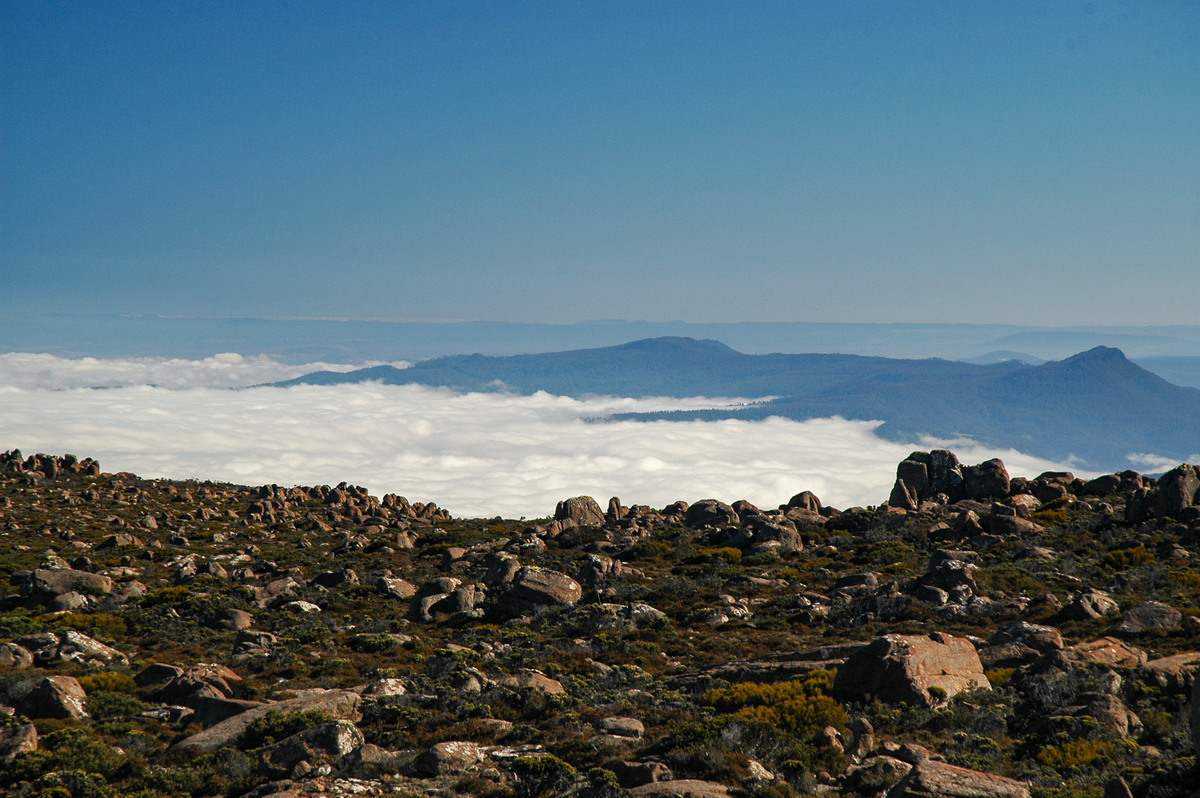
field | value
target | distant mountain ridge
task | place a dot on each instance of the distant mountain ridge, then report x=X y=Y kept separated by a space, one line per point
x=1095 y=408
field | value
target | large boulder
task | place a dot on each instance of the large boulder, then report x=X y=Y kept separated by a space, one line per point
x=59 y=697
x=681 y=788
x=16 y=740
x=337 y=704
x=1175 y=490
x=1106 y=651
x=327 y=743
x=448 y=758
x=988 y=480
x=710 y=512
x=1148 y=617
x=1175 y=673
x=932 y=779
x=542 y=586
x=1089 y=604
x=579 y=511
x=903 y=668
x=45 y=584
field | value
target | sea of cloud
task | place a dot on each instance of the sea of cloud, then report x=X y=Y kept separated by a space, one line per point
x=226 y=370
x=476 y=454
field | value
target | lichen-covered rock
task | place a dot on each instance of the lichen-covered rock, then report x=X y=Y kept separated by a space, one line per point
x=896 y=668
x=579 y=511
x=1149 y=616
x=448 y=758
x=1089 y=604
x=327 y=743
x=59 y=697
x=16 y=740
x=543 y=586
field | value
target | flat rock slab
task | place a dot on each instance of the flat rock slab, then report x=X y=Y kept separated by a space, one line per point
x=338 y=704
x=682 y=788
x=930 y=779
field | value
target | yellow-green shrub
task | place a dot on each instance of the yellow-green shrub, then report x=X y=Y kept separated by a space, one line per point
x=800 y=707
x=112 y=682
x=1076 y=754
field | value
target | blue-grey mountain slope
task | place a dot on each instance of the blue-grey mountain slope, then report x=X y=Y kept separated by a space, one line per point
x=1095 y=408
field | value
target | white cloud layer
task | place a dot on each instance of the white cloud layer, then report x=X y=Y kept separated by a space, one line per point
x=477 y=455
x=226 y=370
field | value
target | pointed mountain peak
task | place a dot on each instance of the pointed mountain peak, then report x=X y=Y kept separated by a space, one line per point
x=1099 y=354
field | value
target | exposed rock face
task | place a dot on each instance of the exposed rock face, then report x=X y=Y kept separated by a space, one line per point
x=899 y=668
x=17 y=740
x=543 y=586
x=533 y=680
x=328 y=743
x=338 y=704
x=45 y=584
x=13 y=655
x=1150 y=616
x=579 y=511
x=710 y=512
x=56 y=697
x=932 y=779
x=988 y=480
x=805 y=500
x=71 y=646
x=623 y=727
x=1106 y=651
x=1175 y=673
x=454 y=756
x=1089 y=604
x=938 y=476
x=1177 y=489
x=681 y=788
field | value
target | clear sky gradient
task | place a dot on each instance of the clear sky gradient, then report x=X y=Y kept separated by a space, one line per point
x=1014 y=162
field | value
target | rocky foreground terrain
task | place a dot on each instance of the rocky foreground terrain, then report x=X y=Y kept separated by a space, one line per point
x=975 y=635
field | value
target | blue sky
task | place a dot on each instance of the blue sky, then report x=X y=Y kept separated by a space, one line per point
x=1013 y=162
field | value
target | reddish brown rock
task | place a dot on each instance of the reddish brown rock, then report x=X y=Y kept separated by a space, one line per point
x=932 y=779
x=903 y=668
x=1106 y=651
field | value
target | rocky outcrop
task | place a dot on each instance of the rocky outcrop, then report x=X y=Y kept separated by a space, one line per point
x=326 y=744
x=932 y=779
x=579 y=511
x=710 y=512
x=920 y=669
x=1149 y=617
x=449 y=758
x=337 y=704
x=681 y=788
x=541 y=586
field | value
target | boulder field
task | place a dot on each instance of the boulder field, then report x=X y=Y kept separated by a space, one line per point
x=975 y=635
